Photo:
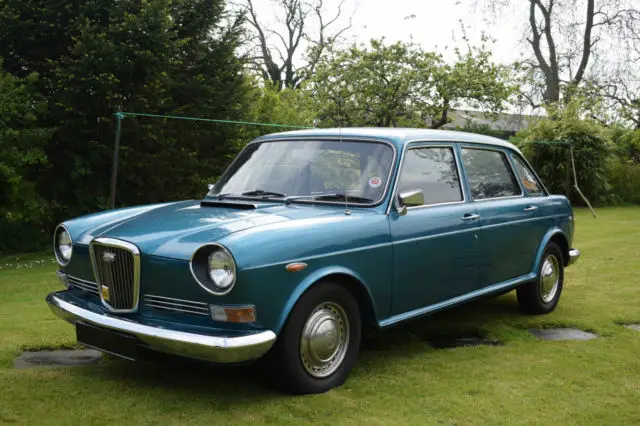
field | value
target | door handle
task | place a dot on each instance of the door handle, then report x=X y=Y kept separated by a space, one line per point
x=470 y=216
x=531 y=209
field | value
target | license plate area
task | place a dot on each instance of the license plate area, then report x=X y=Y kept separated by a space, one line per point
x=113 y=342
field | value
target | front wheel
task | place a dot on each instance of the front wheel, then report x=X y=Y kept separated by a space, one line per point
x=320 y=342
x=542 y=295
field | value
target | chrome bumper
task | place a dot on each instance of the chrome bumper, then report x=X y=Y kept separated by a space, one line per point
x=199 y=346
x=574 y=256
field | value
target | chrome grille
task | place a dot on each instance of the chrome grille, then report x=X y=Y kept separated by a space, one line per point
x=176 y=305
x=88 y=286
x=116 y=266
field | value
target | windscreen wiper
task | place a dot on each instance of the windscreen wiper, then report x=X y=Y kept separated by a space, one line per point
x=345 y=197
x=329 y=197
x=260 y=192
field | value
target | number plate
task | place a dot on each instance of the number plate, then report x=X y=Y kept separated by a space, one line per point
x=113 y=342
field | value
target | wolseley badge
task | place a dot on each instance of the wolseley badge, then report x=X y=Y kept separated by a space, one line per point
x=108 y=257
x=105 y=293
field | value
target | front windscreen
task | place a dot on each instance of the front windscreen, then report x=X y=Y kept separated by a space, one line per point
x=319 y=170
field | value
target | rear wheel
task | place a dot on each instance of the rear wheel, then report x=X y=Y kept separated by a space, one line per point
x=320 y=342
x=542 y=295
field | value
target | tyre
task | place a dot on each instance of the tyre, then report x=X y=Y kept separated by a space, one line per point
x=541 y=296
x=319 y=343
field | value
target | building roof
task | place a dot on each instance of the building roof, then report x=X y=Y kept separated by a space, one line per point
x=397 y=136
x=510 y=123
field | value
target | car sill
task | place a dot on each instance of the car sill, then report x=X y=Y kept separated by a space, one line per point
x=456 y=300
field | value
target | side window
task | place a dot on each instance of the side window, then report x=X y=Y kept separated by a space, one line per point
x=489 y=174
x=527 y=177
x=434 y=171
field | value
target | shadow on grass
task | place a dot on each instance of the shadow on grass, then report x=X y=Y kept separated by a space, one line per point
x=245 y=383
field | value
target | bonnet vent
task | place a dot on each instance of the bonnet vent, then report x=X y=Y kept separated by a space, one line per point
x=227 y=204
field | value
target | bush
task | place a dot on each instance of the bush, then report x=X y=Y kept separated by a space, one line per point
x=591 y=149
x=624 y=178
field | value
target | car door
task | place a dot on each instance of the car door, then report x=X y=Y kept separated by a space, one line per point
x=434 y=244
x=510 y=231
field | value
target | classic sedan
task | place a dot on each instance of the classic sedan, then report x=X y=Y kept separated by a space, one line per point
x=307 y=239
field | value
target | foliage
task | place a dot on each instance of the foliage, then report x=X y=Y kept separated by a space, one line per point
x=270 y=105
x=166 y=57
x=624 y=178
x=591 y=148
x=402 y=85
x=22 y=160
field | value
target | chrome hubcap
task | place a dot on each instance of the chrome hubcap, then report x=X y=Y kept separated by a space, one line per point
x=324 y=340
x=549 y=278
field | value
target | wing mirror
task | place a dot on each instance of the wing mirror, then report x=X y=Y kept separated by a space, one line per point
x=410 y=198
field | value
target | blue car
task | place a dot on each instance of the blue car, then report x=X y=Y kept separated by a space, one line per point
x=309 y=238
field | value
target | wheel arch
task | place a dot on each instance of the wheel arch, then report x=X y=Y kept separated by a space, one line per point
x=344 y=277
x=557 y=236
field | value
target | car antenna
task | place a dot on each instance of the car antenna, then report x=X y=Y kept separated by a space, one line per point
x=346 y=196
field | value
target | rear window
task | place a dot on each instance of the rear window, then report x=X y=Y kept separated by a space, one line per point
x=489 y=174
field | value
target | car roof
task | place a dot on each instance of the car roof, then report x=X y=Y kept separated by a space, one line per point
x=398 y=136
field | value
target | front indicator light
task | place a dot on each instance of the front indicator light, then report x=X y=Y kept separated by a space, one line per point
x=237 y=314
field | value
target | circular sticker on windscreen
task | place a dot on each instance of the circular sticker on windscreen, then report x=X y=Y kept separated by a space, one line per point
x=375 y=182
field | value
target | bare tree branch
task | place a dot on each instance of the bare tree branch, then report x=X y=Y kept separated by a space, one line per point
x=303 y=22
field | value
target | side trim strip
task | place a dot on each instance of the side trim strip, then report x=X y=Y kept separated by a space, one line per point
x=464 y=298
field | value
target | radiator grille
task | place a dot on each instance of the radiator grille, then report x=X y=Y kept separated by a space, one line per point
x=117 y=272
x=176 y=305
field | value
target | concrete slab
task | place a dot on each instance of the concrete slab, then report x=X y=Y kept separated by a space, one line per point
x=61 y=358
x=562 y=334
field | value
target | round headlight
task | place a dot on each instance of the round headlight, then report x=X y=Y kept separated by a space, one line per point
x=63 y=245
x=221 y=269
x=214 y=269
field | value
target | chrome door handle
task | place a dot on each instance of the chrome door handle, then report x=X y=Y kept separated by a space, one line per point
x=531 y=209
x=470 y=216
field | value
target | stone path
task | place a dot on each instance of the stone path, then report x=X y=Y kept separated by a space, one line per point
x=562 y=334
x=62 y=358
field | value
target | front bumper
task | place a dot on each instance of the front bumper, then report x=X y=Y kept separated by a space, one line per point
x=574 y=256
x=222 y=349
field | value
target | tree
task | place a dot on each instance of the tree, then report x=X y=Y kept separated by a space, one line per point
x=564 y=36
x=401 y=85
x=591 y=148
x=166 y=57
x=276 y=52
x=22 y=159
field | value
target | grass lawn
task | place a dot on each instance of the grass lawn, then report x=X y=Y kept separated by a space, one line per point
x=399 y=379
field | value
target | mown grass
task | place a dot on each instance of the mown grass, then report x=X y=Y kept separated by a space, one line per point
x=400 y=378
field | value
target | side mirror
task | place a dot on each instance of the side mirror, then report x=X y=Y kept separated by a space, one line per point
x=210 y=186
x=411 y=198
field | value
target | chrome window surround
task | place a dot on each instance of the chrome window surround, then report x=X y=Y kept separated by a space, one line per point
x=235 y=270
x=326 y=138
x=112 y=242
x=451 y=146
x=59 y=259
x=515 y=175
x=436 y=143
